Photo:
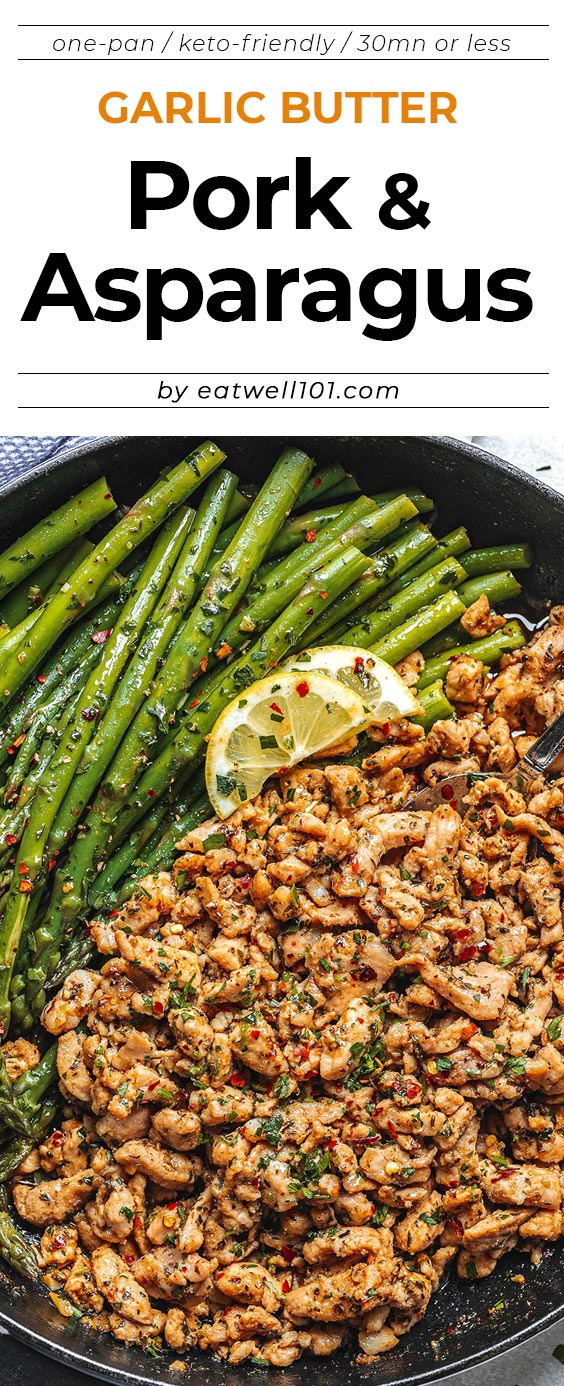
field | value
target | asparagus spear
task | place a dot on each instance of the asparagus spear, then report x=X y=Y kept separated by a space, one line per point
x=11 y=1114
x=13 y=639
x=55 y=671
x=132 y=690
x=451 y=546
x=423 y=503
x=60 y=770
x=227 y=583
x=299 y=529
x=142 y=841
x=20 y=1102
x=78 y=953
x=288 y=577
x=357 y=510
x=15 y=1247
x=344 y=490
x=13 y=821
x=282 y=635
x=11 y=1155
x=73 y=878
x=435 y=704
x=413 y=633
x=498 y=557
x=497 y=587
x=372 y=589
x=31 y=1087
x=238 y=506
x=290 y=536
x=389 y=615
x=489 y=650
x=48 y=720
x=320 y=483
x=49 y=536
x=32 y=592
x=142 y=520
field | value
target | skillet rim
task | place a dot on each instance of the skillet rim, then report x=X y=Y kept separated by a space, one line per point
x=122 y=1376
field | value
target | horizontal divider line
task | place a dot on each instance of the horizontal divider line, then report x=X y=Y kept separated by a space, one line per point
x=291 y=409
x=293 y=373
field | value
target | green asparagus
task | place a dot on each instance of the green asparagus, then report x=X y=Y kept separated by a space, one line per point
x=142 y=520
x=489 y=650
x=49 y=536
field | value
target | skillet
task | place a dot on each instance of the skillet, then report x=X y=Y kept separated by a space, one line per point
x=467 y=1322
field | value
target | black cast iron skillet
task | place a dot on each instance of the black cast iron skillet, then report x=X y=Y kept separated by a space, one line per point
x=468 y=1321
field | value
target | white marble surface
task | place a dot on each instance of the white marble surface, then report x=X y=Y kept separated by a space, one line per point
x=542 y=456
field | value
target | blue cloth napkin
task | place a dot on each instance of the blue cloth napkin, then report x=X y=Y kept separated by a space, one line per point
x=19 y=455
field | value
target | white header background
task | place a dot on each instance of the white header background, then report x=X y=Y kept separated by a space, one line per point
x=492 y=182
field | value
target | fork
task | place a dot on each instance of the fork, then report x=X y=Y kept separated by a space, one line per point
x=535 y=763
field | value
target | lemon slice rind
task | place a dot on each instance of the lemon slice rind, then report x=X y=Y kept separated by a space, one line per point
x=377 y=683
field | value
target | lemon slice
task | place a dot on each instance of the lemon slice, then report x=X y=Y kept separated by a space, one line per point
x=380 y=687
x=275 y=724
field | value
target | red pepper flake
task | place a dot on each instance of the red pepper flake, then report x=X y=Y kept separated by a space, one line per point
x=51 y=864
x=238 y=1080
x=275 y=708
x=172 y=1206
x=288 y=1252
x=195 y=701
x=354 y=864
x=129 y=1258
x=447 y=791
x=223 y=650
x=331 y=1145
x=359 y=665
x=57 y=1138
x=158 y=1007
x=468 y=952
x=23 y=869
x=25 y=887
x=302 y=689
x=454 y=1225
x=99 y=637
x=10 y=839
x=477 y=888
x=151 y=793
x=311 y=535
x=316 y=483
x=285 y=1286
x=324 y=596
x=412 y=1090
x=255 y=1034
x=385 y=729
x=41 y=678
x=304 y=1052
x=392 y=1129
x=204 y=664
x=113 y=914
x=108 y=495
